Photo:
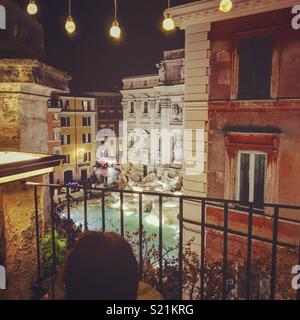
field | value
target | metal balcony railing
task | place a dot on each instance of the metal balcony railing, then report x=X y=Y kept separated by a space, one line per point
x=206 y=226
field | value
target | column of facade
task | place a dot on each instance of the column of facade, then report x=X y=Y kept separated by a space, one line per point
x=195 y=117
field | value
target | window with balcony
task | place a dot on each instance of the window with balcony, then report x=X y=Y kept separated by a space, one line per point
x=255 y=67
x=86 y=106
x=86 y=121
x=86 y=138
x=65 y=104
x=251 y=177
x=65 y=121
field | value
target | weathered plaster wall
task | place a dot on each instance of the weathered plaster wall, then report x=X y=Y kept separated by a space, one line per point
x=25 y=87
x=223 y=38
x=282 y=117
x=18 y=215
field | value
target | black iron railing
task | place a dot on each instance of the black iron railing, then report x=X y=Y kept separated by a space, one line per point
x=202 y=223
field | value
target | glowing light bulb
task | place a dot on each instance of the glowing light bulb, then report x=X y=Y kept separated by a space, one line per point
x=225 y=5
x=32 y=7
x=115 y=31
x=70 y=25
x=168 y=23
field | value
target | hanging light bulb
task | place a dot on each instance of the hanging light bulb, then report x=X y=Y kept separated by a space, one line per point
x=168 y=23
x=225 y=5
x=70 y=24
x=32 y=7
x=115 y=31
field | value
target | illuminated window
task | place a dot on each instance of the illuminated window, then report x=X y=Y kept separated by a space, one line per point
x=86 y=105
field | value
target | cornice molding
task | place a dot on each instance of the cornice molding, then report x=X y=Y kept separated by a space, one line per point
x=208 y=10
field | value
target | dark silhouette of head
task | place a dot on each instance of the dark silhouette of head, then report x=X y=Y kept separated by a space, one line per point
x=101 y=266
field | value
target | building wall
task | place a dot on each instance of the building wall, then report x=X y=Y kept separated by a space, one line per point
x=72 y=108
x=25 y=87
x=279 y=114
x=224 y=35
x=209 y=75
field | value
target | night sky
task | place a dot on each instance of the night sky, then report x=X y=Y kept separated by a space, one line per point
x=95 y=61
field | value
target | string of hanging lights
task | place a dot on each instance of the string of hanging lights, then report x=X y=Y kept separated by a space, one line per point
x=70 y=24
x=115 y=30
x=32 y=7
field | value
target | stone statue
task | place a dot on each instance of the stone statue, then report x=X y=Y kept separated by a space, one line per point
x=182 y=73
x=177 y=112
x=161 y=71
x=178 y=148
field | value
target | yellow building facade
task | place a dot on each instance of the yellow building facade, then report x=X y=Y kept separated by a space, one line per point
x=77 y=137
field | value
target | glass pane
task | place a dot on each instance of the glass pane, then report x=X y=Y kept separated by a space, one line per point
x=244 y=177
x=259 y=180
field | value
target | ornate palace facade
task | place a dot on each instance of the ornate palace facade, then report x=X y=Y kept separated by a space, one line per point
x=152 y=108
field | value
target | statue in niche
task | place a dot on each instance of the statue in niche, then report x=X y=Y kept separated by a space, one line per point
x=177 y=112
x=182 y=73
x=178 y=148
x=161 y=71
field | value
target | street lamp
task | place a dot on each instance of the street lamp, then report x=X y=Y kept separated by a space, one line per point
x=168 y=23
x=70 y=24
x=115 y=31
x=32 y=8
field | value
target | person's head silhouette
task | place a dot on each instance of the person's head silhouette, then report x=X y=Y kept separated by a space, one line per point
x=101 y=266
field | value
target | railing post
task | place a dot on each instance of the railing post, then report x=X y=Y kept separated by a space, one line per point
x=249 y=252
x=141 y=234
x=160 y=249
x=122 y=214
x=37 y=235
x=225 y=250
x=85 y=207
x=180 y=253
x=103 y=210
x=274 y=254
x=298 y=291
x=202 y=259
x=68 y=217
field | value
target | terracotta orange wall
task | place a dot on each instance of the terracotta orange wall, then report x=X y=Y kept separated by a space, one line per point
x=222 y=37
